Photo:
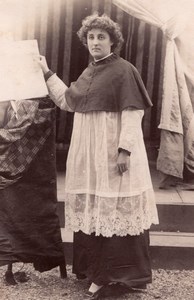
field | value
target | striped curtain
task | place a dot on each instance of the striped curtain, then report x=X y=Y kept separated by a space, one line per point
x=54 y=24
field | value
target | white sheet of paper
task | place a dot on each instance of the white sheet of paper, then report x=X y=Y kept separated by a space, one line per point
x=20 y=75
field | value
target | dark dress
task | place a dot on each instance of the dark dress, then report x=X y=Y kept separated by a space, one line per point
x=104 y=260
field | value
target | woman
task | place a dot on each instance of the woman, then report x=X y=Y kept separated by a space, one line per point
x=110 y=201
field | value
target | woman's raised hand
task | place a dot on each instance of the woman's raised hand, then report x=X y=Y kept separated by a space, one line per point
x=41 y=60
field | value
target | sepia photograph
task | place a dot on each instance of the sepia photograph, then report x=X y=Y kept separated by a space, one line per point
x=96 y=149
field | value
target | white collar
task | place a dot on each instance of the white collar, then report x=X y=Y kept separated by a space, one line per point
x=96 y=60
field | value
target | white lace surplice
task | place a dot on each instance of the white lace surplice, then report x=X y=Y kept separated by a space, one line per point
x=98 y=198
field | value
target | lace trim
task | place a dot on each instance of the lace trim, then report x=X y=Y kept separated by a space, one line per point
x=109 y=216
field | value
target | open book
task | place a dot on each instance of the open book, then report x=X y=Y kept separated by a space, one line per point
x=20 y=75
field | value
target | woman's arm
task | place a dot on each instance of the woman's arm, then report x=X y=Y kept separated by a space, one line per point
x=55 y=85
x=130 y=129
x=57 y=90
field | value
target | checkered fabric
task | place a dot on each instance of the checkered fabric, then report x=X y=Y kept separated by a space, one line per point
x=22 y=137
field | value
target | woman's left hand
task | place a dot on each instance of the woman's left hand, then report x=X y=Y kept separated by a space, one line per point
x=123 y=162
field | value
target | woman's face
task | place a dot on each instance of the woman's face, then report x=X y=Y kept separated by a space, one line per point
x=99 y=43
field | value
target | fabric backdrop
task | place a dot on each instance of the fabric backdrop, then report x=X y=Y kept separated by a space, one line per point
x=175 y=19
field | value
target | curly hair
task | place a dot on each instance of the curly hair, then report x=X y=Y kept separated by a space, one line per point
x=103 y=22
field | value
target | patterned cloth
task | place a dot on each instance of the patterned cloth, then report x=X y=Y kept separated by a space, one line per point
x=21 y=138
x=29 y=224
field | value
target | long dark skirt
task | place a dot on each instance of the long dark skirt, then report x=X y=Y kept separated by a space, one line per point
x=117 y=259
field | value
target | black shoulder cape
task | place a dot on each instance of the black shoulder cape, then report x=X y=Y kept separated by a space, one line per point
x=110 y=85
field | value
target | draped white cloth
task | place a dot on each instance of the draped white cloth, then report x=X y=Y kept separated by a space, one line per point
x=175 y=19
